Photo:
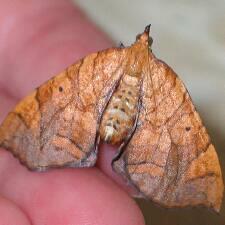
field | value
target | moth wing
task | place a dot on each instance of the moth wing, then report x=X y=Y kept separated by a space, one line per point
x=56 y=125
x=170 y=158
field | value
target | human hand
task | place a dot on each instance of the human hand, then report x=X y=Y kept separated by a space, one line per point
x=38 y=39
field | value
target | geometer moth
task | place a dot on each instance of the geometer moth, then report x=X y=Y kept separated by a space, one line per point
x=127 y=97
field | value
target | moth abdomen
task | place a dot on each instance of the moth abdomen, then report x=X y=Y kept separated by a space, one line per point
x=119 y=116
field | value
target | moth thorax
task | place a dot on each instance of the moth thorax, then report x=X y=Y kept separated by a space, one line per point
x=119 y=116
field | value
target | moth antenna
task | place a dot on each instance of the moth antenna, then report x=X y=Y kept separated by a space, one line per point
x=121 y=45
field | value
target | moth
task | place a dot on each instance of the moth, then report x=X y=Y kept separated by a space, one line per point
x=127 y=97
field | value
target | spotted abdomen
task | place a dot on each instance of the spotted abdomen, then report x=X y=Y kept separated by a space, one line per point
x=120 y=114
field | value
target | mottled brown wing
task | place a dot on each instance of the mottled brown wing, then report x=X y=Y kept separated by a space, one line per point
x=56 y=125
x=170 y=158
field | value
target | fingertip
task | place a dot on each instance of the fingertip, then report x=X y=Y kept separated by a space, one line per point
x=11 y=214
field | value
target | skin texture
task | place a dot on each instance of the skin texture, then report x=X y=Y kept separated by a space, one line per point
x=54 y=39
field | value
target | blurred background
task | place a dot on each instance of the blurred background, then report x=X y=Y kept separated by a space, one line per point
x=190 y=37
